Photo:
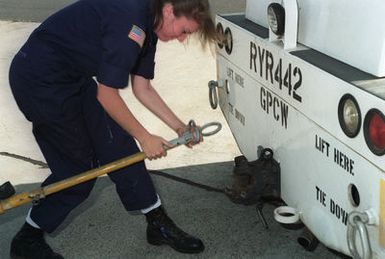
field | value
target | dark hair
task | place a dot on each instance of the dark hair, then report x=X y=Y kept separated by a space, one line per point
x=198 y=10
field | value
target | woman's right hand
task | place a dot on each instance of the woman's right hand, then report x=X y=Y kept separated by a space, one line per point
x=154 y=146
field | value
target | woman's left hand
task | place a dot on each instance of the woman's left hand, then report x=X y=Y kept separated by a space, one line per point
x=197 y=138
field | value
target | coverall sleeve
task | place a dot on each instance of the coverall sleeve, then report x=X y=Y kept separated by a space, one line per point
x=145 y=65
x=120 y=53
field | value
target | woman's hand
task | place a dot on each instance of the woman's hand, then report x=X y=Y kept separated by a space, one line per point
x=154 y=146
x=193 y=130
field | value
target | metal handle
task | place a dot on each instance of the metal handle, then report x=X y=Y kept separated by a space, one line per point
x=194 y=133
x=208 y=125
x=357 y=223
x=213 y=96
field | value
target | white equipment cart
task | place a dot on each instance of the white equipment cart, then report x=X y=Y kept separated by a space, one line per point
x=304 y=78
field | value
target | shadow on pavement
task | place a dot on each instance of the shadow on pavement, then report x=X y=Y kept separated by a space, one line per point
x=101 y=228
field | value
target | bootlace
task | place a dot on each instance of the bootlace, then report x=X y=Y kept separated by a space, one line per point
x=166 y=224
x=175 y=230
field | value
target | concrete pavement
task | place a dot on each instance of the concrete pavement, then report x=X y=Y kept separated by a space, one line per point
x=38 y=10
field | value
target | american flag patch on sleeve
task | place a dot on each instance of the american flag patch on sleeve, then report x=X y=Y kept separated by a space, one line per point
x=137 y=34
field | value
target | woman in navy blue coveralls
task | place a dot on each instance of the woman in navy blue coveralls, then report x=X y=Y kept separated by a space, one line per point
x=66 y=80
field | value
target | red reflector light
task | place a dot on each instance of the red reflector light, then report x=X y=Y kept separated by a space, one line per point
x=375 y=131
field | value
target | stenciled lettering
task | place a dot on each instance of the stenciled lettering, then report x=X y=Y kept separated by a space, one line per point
x=333 y=207
x=273 y=105
x=240 y=117
x=343 y=161
x=339 y=212
x=322 y=145
x=321 y=196
x=271 y=69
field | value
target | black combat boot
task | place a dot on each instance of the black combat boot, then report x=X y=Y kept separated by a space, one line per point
x=29 y=243
x=162 y=230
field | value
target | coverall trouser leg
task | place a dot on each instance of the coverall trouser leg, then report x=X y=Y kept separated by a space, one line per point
x=75 y=134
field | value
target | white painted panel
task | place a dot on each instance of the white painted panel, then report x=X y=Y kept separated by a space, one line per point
x=351 y=31
x=261 y=111
x=309 y=170
x=319 y=91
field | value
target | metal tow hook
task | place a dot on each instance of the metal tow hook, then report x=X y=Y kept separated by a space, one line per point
x=213 y=96
x=194 y=133
x=357 y=222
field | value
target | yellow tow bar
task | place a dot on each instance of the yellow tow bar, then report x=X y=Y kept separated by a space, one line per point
x=35 y=195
